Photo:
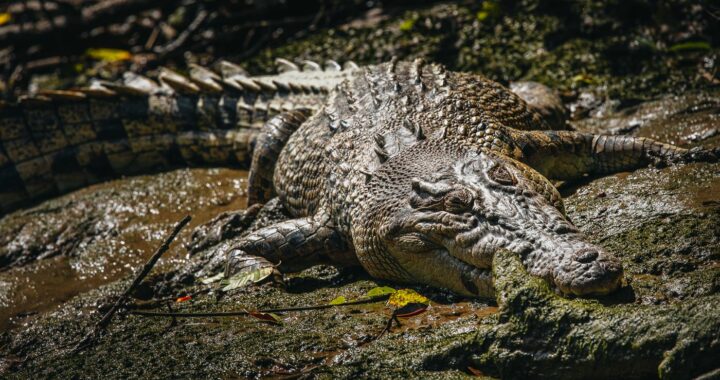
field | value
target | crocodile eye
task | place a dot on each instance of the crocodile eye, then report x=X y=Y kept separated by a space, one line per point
x=428 y=195
x=459 y=201
x=501 y=175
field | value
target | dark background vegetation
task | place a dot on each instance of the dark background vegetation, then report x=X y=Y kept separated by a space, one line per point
x=627 y=49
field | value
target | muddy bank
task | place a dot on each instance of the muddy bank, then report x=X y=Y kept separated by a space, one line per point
x=611 y=67
x=98 y=235
x=662 y=223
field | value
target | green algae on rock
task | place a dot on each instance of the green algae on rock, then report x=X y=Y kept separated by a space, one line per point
x=549 y=336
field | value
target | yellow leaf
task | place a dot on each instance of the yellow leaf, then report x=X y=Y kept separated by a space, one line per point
x=403 y=297
x=407 y=25
x=109 y=55
x=584 y=78
x=338 y=300
x=5 y=18
x=379 y=291
x=489 y=9
x=692 y=45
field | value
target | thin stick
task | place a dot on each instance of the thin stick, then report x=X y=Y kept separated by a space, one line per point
x=242 y=312
x=105 y=321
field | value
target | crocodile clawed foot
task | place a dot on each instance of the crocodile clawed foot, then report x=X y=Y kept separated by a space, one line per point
x=243 y=269
x=698 y=154
x=222 y=227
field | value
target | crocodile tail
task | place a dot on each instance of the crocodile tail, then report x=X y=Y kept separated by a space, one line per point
x=59 y=141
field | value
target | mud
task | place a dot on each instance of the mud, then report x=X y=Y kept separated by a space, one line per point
x=102 y=233
x=621 y=68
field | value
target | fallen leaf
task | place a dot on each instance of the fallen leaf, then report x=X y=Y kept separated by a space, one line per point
x=475 y=371
x=403 y=297
x=183 y=299
x=379 y=291
x=489 y=9
x=5 y=18
x=215 y=278
x=407 y=25
x=267 y=317
x=247 y=277
x=584 y=78
x=691 y=45
x=411 y=309
x=338 y=300
x=109 y=55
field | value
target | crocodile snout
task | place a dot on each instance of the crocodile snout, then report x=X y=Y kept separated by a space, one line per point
x=589 y=271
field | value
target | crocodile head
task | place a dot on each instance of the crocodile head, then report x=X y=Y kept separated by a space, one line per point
x=437 y=214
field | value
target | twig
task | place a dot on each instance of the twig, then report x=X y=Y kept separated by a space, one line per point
x=182 y=37
x=388 y=325
x=238 y=313
x=120 y=303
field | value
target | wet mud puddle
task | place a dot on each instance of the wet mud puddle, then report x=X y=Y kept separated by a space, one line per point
x=94 y=236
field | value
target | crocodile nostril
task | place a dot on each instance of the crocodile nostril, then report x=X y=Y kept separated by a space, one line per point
x=586 y=255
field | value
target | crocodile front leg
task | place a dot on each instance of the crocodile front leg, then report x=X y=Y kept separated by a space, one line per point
x=293 y=245
x=565 y=155
x=272 y=139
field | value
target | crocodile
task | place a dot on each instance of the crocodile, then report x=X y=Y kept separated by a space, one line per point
x=420 y=175
x=55 y=141
x=416 y=173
